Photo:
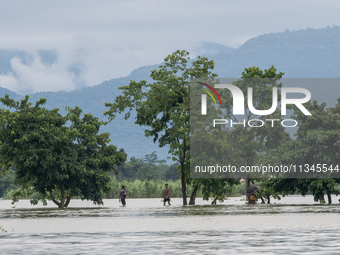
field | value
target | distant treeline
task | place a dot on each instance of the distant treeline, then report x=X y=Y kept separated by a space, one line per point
x=147 y=168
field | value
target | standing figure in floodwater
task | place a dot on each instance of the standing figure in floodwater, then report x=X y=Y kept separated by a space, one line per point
x=166 y=194
x=122 y=195
x=251 y=192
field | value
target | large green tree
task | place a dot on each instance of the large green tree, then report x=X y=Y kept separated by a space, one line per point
x=59 y=157
x=164 y=107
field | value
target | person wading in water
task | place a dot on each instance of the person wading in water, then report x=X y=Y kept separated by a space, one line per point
x=122 y=195
x=166 y=194
x=251 y=192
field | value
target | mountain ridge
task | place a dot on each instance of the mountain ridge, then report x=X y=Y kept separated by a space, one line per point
x=302 y=53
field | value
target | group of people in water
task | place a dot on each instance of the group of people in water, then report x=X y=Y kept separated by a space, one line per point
x=251 y=192
x=123 y=195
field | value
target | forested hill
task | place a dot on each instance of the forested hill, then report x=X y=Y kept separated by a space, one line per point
x=306 y=53
x=303 y=53
x=4 y=91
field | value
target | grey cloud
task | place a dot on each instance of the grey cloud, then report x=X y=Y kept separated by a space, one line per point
x=99 y=40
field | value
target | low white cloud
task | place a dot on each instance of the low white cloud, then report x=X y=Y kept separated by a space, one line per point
x=8 y=81
x=36 y=76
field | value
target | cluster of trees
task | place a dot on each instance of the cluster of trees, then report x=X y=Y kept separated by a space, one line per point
x=61 y=157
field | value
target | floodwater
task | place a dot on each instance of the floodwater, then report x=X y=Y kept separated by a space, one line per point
x=294 y=225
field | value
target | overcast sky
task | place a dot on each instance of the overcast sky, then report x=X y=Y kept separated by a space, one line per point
x=108 y=39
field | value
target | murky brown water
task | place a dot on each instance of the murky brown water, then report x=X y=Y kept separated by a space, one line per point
x=294 y=225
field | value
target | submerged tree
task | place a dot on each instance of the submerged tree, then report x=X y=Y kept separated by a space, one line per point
x=250 y=143
x=315 y=152
x=59 y=157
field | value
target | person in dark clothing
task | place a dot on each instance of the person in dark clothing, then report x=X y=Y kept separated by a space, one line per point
x=122 y=195
x=166 y=194
x=251 y=192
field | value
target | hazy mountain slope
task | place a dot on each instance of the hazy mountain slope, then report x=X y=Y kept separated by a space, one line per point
x=303 y=53
x=4 y=91
x=210 y=48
